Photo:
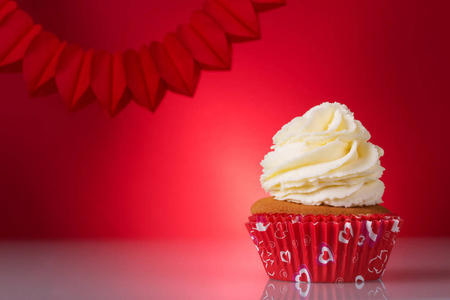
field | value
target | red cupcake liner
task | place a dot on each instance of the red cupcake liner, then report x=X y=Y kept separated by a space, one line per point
x=324 y=248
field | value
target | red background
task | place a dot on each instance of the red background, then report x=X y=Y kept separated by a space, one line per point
x=192 y=168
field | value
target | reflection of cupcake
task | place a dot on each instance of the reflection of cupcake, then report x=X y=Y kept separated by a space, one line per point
x=323 y=222
x=283 y=290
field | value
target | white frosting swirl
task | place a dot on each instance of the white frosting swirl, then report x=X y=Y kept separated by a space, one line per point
x=324 y=157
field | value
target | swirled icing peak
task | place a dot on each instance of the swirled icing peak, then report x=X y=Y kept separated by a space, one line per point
x=324 y=157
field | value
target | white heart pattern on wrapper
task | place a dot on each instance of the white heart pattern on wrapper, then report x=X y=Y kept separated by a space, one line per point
x=267 y=262
x=395 y=227
x=325 y=248
x=342 y=239
x=377 y=264
x=295 y=220
x=261 y=227
x=369 y=236
x=285 y=256
x=355 y=258
x=361 y=240
x=281 y=231
x=307 y=240
x=283 y=273
x=255 y=241
x=372 y=235
x=303 y=271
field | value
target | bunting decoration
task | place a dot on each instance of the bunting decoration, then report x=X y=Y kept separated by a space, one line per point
x=81 y=77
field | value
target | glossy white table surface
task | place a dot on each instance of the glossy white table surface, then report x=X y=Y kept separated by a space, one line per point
x=200 y=269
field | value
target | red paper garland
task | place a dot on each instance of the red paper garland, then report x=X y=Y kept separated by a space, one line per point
x=80 y=77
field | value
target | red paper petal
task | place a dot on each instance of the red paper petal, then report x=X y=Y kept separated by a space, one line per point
x=206 y=42
x=199 y=49
x=213 y=35
x=108 y=81
x=39 y=64
x=236 y=17
x=7 y=7
x=265 y=5
x=175 y=64
x=19 y=50
x=16 y=33
x=101 y=77
x=73 y=76
x=120 y=94
x=143 y=78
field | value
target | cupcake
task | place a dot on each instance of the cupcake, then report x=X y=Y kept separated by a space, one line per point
x=323 y=221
